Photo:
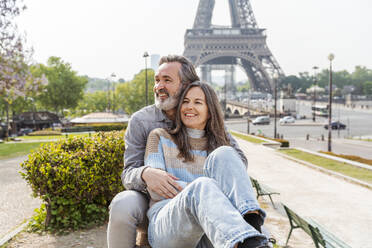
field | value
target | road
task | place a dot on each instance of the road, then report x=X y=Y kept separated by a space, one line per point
x=359 y=124
x=17 y=204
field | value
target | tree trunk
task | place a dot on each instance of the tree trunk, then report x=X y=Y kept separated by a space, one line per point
x=14 y=125
x=7 y=121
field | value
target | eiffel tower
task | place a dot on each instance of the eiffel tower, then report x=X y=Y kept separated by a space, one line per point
x=243 y=43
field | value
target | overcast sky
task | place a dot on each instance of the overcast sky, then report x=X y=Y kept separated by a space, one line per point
x=100 y=37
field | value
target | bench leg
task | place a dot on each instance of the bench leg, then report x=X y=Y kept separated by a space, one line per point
x=289 y=235
x=272 y=201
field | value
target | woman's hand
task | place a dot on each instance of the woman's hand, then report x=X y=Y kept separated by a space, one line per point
x=161 y=182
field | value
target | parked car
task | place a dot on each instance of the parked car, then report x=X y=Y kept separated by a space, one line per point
x=336 y=125
x=261 y=120
x=24 y=131
x=287 y=119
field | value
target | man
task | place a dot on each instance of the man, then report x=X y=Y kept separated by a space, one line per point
x=128 y=209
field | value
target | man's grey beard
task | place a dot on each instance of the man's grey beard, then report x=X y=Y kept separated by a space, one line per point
x=169 y=103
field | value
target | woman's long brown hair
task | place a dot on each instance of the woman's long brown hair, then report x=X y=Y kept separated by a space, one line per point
x=214 y=129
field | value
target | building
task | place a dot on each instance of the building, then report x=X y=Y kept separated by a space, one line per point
x=100 y=118
x=35 y=120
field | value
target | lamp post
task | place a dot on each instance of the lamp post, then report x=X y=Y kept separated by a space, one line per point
x=225 y=102
x=330 y=58
x=315 y=87
x=275 y=78
x=248 y=113
x=113 y=92
x=145 y=55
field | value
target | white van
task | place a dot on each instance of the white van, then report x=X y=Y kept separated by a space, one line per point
x=261 y=120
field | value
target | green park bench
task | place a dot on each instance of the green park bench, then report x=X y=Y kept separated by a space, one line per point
x=319 y=234
x=263 y=190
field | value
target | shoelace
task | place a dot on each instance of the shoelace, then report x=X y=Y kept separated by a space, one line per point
x=272 y=240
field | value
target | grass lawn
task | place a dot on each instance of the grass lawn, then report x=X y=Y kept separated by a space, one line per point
x=49 y=137
x=9 y=150
x=343 y=168
x=247 y=138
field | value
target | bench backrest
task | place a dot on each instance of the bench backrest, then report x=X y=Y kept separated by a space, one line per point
x=256 y=185
x=296 y=221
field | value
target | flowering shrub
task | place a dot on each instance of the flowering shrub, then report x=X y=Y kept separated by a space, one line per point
x=76 y=178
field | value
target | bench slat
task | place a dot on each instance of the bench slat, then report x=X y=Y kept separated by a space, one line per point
x=331 y=240
x=318 y=233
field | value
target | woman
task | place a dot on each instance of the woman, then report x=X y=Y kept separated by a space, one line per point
x=217 y=201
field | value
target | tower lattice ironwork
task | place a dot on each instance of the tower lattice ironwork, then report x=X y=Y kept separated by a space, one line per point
x=243 y=43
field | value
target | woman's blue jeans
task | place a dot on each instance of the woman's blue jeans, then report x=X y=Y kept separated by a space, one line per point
x=212 y=205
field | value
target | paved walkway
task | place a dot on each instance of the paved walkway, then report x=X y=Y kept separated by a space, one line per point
x=343 y=208
x=17 y=204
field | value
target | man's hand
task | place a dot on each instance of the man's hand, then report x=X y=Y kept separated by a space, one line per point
x=161 y=182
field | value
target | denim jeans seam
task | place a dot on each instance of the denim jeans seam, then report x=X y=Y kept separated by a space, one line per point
x=243 y=234
x=248 y=205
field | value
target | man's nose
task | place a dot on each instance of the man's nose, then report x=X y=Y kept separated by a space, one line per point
x=159 y=85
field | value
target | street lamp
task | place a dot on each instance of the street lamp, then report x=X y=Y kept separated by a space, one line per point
x=145 y=55
x=275 y=79
x=248 y=113
x=315 y=87
x=109 y=86
x=330 y=58
x=113 y=92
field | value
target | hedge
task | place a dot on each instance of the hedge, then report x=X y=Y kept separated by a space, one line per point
x=44 y=133
x=283 y=142
x=95 y=128
x=76 y=178
x=350 y=157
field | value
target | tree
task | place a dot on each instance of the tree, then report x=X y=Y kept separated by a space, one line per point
x=243 y=86
x=297 y=84
x=91 y=102
x=15 y=77
x=65 y=87
x=131 y=95
x=360 y=76
x=367 y=88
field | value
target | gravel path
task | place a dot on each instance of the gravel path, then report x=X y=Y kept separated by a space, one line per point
x=343 y=208
x=17 y=204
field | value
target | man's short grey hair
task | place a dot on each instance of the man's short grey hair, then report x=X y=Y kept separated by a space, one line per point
x=187 y=73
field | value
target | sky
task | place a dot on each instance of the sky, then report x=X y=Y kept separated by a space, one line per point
x=99 y=38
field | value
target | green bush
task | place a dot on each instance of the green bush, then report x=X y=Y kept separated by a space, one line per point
x=284 y=143
x=95 y=128
x=77 y=129
x=76 y=178
x=45 y=133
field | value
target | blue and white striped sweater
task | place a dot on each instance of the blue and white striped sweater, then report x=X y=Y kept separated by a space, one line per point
x=162 y=153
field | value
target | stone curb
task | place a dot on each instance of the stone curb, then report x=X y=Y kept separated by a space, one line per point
x=11 y=234
x=328 y=172
x=268 y=143
x=256 y=137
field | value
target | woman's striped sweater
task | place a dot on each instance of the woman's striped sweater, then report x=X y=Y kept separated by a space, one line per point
x=162 y=153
